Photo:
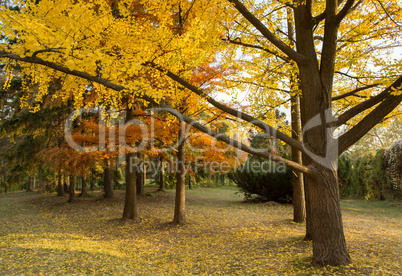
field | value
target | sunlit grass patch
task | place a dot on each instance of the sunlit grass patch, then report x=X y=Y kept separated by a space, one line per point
x=223 y=236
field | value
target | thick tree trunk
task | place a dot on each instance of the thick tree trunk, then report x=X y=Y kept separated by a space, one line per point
x=30 y=183
x=299 y=207
x=161 y=176
x=329 y=245
x=108 y=183
x=180 y=200
x=71 y=189
x=60 y=190
x=83 y=186
x=130 y=202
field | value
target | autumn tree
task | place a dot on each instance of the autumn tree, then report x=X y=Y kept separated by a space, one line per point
x=60 y=39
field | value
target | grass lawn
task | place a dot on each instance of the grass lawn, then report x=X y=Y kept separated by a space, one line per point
x=42 y=234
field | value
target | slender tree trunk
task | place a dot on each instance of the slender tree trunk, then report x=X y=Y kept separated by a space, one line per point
x=30 y=182
x=60 y=190
x=66 y=185
x=141 y=175
x=130 y=202
x=299 y=207
x=71 y=189
x=107 y=182
x=190 y=184
x=83 y=186
x=180 y=200
x=161 y=176
x=92 y=183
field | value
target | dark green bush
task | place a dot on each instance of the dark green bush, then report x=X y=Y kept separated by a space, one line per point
x=269 y=186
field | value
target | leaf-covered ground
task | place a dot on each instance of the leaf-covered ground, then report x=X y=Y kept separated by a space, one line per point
x=44 y=235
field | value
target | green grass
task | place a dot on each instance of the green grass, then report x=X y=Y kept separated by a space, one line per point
x=42 y=234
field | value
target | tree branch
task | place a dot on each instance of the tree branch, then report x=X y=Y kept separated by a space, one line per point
x=235 y=143
x=345 y=10
x=236 y=113
x=55 y=66
x=239 y=42
x=220 y=137
x=368 y=103
x=317 y=19
x=353 y=92
x=371 y=120
x=297 y=57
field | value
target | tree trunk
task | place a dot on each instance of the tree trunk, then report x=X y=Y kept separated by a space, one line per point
x=299 y=207
x=180 y=200
x=309 y=227
x=71 y=189
x=107 y=182
x=30 y=182
x=60 y=190
x=130 y=202
x=141 y=176
x=161 y=176
x=66 y=185
x=190 y=184
x=92 y=183
x=329 y=245
x=83 y=186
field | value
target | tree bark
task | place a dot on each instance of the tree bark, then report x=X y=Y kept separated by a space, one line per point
x=71 y=189
x=30 y=182
x=60 y=190
x=180 y=200
x=190 y=184
x=329 y=245
x=92 y=183
x=83 y=186
x=107 y=182
x=66 y=185
x=141 y=176
x=161 y=175
x=130 y=201
x=299 y=208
